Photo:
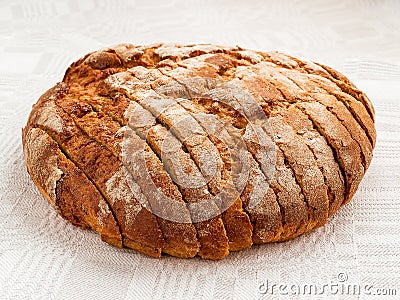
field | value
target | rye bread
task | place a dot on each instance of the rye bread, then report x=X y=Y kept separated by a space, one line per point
x=136 y=139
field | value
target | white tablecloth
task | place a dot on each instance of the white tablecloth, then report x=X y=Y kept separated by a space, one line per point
x=44 y=257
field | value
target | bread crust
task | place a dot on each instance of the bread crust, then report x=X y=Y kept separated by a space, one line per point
x=160 y=102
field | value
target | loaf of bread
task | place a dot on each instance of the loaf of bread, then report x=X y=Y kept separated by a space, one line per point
x=198 y=149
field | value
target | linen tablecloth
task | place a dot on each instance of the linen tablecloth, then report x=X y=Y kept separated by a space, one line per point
x=44 y=257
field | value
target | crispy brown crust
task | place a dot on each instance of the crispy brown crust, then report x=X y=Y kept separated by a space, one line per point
x=322 y=128
x=142 y=232
x=180 y=238
x=73 y=195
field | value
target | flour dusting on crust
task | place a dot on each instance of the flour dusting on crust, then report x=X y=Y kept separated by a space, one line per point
x=41 y=157
x=49 y=117
x=120 y=191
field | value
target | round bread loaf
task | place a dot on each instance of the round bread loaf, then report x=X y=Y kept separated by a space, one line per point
x=198 y=149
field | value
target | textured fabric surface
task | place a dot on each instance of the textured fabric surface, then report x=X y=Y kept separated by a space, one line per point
x=44 y=257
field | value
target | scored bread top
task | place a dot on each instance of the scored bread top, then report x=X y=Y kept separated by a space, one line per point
x=198 y=149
